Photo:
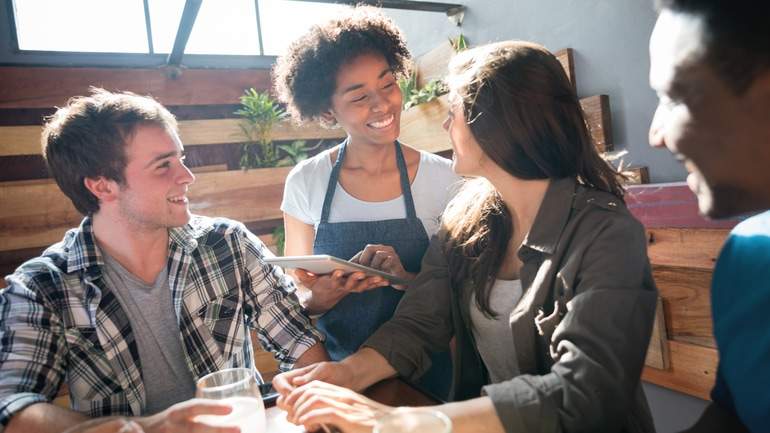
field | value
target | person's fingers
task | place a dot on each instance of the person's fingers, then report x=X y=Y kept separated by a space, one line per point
x=356 y=257
x=305 y=277
x=353 y=281
x=323 y=371
x=318 y=397
x=341 y=421
x=389 y=265
x=284 y=382
x=366 y=284
x=375 y=282
x=131 y=427
x=337 y=279
x=379 y=257
x=301 y=383
x=367 y=253
x=197 y=407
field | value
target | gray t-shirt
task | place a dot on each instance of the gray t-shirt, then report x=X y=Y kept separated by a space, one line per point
x=167 y=379
x=493 y=336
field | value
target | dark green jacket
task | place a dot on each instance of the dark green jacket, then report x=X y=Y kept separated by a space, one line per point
x=585 y=267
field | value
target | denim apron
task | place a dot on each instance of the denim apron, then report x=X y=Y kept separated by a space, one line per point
x=356 y=316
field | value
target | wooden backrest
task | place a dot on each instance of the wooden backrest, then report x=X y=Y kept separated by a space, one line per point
x=683 y=248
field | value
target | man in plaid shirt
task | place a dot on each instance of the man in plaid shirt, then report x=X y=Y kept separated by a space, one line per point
x=143 y=298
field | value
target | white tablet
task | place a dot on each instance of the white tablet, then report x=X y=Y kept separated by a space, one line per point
x=325 y=264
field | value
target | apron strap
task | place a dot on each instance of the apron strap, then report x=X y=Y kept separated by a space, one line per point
x=333 y=178
x=406 y=189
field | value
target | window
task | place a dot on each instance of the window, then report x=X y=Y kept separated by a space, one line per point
x=226 y=33
x=81 y=25
x=283 y=21
x=221 y=27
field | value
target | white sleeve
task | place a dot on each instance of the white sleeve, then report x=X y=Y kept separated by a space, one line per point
x=295 y=195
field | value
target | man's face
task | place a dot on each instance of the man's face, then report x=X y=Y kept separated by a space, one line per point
x=720 y=136
x=154 y=195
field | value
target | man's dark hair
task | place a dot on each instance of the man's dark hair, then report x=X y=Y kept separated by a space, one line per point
x=87 y=137
x=737 y=36
x=306 y=76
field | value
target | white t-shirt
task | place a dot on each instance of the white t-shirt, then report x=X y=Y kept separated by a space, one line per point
x=493 y=336
x=433 y=186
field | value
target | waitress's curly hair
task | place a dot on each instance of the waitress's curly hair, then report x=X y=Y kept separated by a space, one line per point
x=306 y=75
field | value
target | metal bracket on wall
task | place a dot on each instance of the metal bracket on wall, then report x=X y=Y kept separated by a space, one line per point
x=190 y=12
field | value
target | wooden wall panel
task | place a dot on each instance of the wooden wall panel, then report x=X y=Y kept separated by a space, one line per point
x=25 y=140
x=433 y=64
x=41 y=87
x=685 y=247
x=597 y=114
x=686 y=294
x=657 y=351
x=566 y=59
x=421 y=126
x=692 y=371
x=246 y=196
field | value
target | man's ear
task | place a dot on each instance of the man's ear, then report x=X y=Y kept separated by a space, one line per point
x=328 y=117
x=104 y=189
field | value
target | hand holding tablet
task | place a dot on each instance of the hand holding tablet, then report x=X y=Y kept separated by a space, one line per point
x=325 y=264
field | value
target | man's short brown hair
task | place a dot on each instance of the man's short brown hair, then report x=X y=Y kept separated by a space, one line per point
x=87 y=137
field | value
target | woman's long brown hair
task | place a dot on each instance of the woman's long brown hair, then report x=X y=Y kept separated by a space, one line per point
x=526 y=117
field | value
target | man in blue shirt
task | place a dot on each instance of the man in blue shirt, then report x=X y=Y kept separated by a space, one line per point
x=710 y=65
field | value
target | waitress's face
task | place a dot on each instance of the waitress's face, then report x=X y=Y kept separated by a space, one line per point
x=367 y=101
x=467 y=157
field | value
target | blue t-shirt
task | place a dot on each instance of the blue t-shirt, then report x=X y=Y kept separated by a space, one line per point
x=740 y=303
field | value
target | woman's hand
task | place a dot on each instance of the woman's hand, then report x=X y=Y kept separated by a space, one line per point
x=383 y=258
x=328 y=289
x=318 y=404
x=331 y=372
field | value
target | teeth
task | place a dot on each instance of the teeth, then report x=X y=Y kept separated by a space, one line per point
x=178 y=199
x=383 y=124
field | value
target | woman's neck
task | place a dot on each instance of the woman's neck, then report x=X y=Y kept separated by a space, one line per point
x=522 y=198
x=372 y=158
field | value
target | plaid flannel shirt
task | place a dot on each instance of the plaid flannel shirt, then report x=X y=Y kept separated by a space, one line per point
x=60 y=321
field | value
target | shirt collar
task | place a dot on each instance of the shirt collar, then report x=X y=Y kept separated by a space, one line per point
x=81 y=250
x=552 y=216
x=187 y=236
x=83 y=253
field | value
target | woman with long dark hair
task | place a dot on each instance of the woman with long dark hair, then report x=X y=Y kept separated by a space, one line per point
x=539 y=272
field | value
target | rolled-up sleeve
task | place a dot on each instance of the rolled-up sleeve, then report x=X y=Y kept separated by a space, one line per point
x=31 y=351
x=422 y=323
x=282 y=325
x=599 y=345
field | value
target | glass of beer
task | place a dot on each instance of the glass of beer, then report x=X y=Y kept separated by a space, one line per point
x=413 y=421
x=238 y=387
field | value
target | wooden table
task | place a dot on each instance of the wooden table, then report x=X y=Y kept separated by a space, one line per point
x=393 y=392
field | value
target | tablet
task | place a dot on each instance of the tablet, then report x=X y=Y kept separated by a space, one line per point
x=325 y=264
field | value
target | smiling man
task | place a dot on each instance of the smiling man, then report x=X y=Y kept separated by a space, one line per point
x=710 y=65
x=143 y=298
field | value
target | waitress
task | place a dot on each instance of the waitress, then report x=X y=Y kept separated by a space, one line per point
x=370 y=199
